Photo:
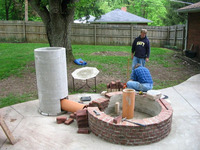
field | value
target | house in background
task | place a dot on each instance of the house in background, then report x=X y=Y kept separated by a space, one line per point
x=192 y=39
x=121 y=16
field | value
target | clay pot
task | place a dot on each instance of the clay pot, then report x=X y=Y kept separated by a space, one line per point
x=128 y=103
x=71 y=106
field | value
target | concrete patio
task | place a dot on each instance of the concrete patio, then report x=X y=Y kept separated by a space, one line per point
x=34 y=131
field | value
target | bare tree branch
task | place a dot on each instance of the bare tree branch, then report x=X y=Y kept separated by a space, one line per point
x=41 y=10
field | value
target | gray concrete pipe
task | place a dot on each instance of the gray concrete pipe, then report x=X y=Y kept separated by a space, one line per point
x=51 y=75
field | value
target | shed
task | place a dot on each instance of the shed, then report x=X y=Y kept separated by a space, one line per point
x=119 y=16
x=192 y=39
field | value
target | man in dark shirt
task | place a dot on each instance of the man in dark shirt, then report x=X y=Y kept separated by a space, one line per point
x=142 y=80
x=140 y=50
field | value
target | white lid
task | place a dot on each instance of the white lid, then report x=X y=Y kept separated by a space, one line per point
x=85 y=73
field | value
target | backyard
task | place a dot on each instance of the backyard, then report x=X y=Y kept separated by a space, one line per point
x=18 y=79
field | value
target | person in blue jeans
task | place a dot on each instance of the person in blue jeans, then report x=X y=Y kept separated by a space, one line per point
x=140 y=50
x=142 y=80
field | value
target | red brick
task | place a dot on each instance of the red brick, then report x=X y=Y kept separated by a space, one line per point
x=83 y=130
x=83 y=125
x=82 y=121
x=108 y=85
x=113 y=93
x=81 y=113
x=69 y=121
x=82 y=118
x=113 y=85
x=102 y=99
x=117 y=120
x=61 y=119
x=72 y=116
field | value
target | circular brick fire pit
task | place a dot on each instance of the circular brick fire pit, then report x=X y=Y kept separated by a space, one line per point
x=152 y=129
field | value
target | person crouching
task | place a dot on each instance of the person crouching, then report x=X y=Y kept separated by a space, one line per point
x=142 y=80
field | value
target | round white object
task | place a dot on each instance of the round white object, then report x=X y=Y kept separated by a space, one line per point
x=85 y=73
x=51 y=75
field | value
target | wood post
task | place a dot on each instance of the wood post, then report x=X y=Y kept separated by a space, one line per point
x=175 y=35
x=24 y=31
x=6 y=130
x=131 y=34
x=95 y=34
x=183 y=41
x=168 y=36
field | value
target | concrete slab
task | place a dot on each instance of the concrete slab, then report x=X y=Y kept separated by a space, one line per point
x=189 y=90
x=34 y=131
x=179 y=104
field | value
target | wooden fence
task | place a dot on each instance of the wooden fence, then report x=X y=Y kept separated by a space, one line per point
x=94 y=34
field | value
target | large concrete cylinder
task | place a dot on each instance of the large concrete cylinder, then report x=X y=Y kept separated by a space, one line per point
x=128 y=103
x=51 y=74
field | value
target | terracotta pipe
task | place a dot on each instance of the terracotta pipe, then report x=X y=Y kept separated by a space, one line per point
x=128 y=103
x=71 y=106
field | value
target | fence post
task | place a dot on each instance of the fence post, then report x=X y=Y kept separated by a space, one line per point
x=95 y=34
x=183 y=39
x=24 y=30
x=168 y=35
x=131 y=35
x=175 y=35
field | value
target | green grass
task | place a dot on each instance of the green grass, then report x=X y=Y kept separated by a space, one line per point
x=158 y=55
x=14 y=57
x=12 y=99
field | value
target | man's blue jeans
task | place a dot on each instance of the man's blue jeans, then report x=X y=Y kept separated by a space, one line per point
x=139 y=86
x=137 y=60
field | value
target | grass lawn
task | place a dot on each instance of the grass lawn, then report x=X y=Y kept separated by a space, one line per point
x=14 y=57
x=110 y=60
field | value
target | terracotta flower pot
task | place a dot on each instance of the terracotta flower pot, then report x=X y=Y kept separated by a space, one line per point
x=128 y=103
x=71 y=106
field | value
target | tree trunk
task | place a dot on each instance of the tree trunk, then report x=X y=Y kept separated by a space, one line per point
x=59 y=35
x=57 y=19
x=7 y=7
x=26 y=10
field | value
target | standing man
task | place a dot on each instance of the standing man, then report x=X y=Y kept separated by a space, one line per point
x=140 y=50
x=142 y=80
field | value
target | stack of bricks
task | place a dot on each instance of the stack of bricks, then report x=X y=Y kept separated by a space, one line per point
x=82 y=121
x=102 y=103
x=115 y=86
x=63 y=119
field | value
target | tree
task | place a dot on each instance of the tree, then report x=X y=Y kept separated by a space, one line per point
x=173 y=17
x=57 y=16
x=153 y=10
x=11 y=10
x=6 y=8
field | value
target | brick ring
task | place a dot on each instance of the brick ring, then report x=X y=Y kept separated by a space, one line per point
x=156 y=127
